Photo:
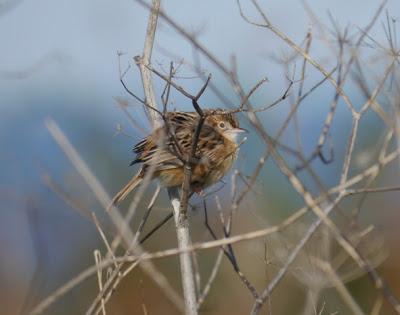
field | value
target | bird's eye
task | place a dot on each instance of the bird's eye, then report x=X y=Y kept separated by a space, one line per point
x=221 y=125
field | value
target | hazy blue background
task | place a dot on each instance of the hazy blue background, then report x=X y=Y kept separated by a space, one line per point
x=59 y=59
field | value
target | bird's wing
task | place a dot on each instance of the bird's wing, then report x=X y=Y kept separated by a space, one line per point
x=182 y=125
x=158 y=150
x=151 y=151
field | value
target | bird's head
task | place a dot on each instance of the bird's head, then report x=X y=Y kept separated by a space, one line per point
x=227 y=124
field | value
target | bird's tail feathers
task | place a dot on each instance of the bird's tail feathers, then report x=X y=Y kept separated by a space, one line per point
x=121 y=195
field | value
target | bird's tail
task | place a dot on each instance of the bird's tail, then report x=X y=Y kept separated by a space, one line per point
x=121 y=195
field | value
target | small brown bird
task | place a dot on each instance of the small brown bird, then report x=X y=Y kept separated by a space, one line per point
x=164 y=151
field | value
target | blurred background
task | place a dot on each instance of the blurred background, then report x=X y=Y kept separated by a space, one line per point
x=59 y=60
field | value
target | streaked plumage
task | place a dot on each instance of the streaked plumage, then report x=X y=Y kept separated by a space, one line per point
x=162 y=152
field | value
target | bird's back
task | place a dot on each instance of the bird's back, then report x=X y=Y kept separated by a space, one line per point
x=167 y=147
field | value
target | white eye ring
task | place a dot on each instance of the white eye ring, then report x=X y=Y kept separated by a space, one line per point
x=222 y=125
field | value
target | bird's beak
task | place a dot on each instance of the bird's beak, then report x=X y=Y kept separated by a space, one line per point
x=240 y=130
x=233 y=133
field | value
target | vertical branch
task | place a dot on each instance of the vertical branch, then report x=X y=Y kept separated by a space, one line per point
x=144 y=61
x=183 y=236
x=181 y=221
x=180 y=204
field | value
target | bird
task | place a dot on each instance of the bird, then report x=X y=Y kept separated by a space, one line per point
x=163 y=153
